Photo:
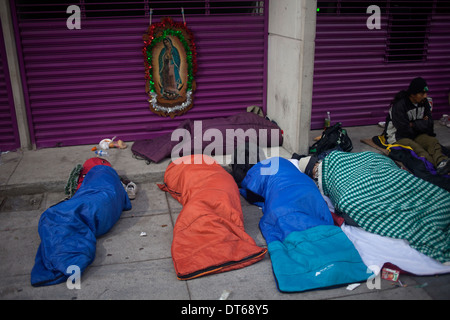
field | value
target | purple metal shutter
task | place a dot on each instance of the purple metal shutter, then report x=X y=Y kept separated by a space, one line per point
x=9 y=134
x=88 y=84
x=353 y=77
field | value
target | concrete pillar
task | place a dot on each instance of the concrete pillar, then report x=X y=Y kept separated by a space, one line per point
x=292 y=30
x=14 y=71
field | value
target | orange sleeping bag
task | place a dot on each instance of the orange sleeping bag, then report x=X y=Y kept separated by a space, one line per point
x=209 y=235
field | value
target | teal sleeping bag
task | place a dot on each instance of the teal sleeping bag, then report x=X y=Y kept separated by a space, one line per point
x=318 y=257
x=306 y=249
x=69 y=229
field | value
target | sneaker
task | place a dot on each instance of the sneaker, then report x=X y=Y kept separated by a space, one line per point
x=443 y=167
x=131 y=190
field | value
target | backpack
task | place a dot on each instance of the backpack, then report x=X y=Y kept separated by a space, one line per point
x=332 y=137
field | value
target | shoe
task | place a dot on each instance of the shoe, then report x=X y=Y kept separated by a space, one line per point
x=131 y=189
x=443 y=167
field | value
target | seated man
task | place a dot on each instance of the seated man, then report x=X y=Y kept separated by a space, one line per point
x=409 y=123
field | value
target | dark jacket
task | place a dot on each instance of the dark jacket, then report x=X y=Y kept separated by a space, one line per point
x=401 y=114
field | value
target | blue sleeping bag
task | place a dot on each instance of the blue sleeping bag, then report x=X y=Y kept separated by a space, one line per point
x=69 y=229
x=306 y=249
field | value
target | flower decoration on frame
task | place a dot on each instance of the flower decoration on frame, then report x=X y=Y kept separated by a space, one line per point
x=170 y=59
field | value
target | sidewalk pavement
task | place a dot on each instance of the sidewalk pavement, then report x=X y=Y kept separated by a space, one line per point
x=131 y=266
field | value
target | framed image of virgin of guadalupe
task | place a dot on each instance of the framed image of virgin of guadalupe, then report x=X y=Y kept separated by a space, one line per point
x=170 y=65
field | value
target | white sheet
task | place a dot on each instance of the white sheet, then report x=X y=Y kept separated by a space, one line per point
x=376 y=250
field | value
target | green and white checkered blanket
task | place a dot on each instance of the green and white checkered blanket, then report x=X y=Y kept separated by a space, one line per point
x=389 y=201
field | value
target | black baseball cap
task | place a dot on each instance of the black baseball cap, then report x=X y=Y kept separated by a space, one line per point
x=417 y=85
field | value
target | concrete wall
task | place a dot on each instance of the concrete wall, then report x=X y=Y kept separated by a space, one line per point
x=292 y=29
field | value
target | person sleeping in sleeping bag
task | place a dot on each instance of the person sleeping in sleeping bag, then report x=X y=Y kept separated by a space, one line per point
x=209 y=235
x=371 y=191
x=306 y=249
x=69 y=229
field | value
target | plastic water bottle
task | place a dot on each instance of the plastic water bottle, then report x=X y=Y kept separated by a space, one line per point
x=327 y=121
x=430 y=101
x=101 y=153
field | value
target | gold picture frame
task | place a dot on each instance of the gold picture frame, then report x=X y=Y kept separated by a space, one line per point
x=170 y=61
